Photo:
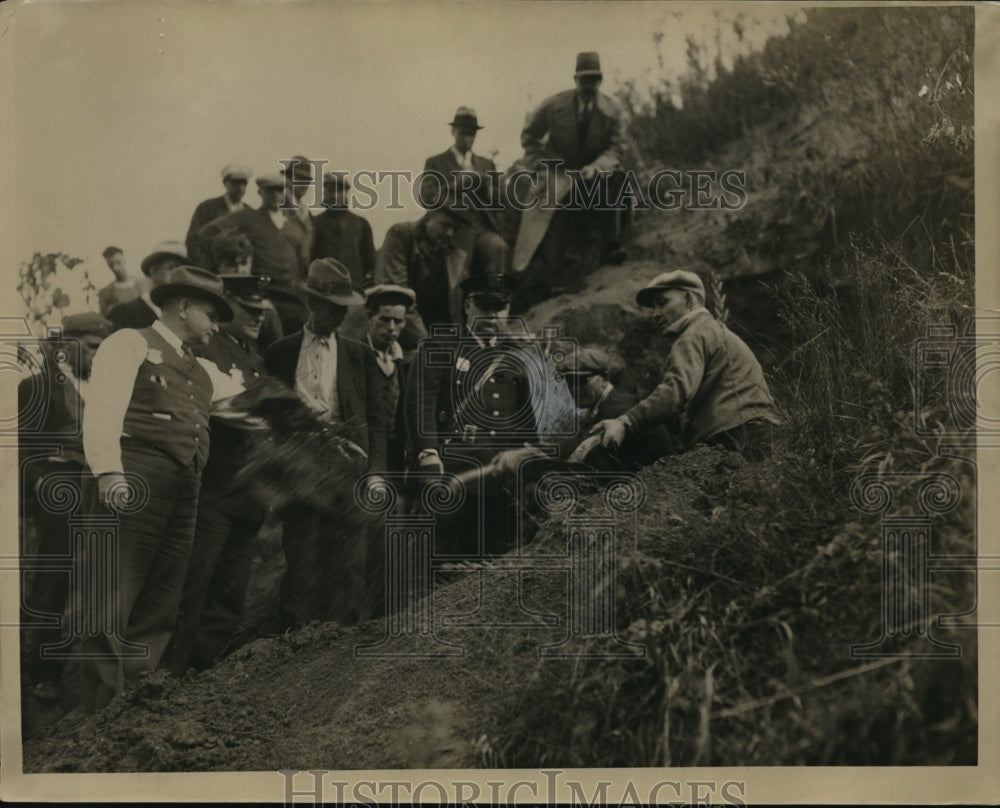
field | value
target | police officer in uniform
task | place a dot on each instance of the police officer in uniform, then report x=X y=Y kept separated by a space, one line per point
x=469 y=398
x=229 y=518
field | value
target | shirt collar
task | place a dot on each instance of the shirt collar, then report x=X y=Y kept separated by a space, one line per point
x=309 y=337
x=175 y=342
x=685 y=320
x=394 y=352
x=463 y=159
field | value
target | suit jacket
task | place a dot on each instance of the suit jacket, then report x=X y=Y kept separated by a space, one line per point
x=359 y=390
x=551 y=132
x=206 y=211
x=134 y=314
x=344 y=235
x=275 y=252
x=480 y=197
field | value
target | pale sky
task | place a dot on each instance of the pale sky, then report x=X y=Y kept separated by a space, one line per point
x=127 y=111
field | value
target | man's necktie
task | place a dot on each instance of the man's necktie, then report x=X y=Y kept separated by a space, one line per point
x=583 y=124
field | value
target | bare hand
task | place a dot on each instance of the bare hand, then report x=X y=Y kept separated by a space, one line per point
x=114 y=491
x=612 y=432
x=431 y=462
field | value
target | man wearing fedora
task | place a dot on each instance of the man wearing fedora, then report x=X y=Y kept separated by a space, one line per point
x=465 y=180
x=417 y=254
x=50 y=405
x=713 y=388
x=229 y=518
x=298 y=174
x=339 y=380
x=141 y=312
x=276 y=247
x=341 y=234
x=583 y=129
x=234 y=180
x=147 y=416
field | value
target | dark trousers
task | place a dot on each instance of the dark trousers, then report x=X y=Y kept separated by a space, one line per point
x=154 y=545
x=48 y=589
x=215 y=587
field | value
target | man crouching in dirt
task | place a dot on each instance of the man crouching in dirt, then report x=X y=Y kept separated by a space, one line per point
x=713 y=383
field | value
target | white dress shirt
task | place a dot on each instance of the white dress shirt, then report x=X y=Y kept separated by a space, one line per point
x=464 y=160
x=316 y=374
x=109 y=393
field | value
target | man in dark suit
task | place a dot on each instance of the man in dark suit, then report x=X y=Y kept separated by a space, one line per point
x=342 y=234
x=340 y=381
x=234 y=179
x=147 y=417
x=50 y=405
x=157 y=267
x=229 y=518
x=584 y=130
x=470 y=180
x=276 y=242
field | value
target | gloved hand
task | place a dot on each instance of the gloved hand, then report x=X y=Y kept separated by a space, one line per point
x=612 y=432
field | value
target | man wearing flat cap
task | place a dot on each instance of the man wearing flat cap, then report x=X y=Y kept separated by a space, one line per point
x=465 y=179
x=147 y=417
x=339 y=380
x=234 y=179
x=342 y=234
x=229 y=517
x=387 y=305
x=50 y=408
x=713 y=385
x=276 y=243
x=584 y=130
x=141 y=312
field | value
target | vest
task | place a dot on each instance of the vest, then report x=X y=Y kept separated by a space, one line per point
x=171 y=398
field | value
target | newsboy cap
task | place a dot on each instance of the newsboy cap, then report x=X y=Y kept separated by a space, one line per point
x=389 y=294
x=588 y=361
x=87 y=322
x=270 y=181
x=678 y=279
x=164 y=250
x=237 y=172
x=588 y=63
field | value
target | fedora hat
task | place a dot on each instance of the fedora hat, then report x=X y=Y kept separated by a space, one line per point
x=588 y=63
x=301 y=168
x=188 y=281
x=331 y=280
x=678 y=279
x=246 y=289
x=165 y=249
x=465 y=118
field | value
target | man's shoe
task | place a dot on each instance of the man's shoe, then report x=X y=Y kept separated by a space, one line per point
x=47 y=692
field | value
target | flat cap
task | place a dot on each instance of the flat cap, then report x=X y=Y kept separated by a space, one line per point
x=389 y=294
x=588 y=361
x=270 y=181
x=87 y=322
x=237 y=172
x=164 y=250
x=678 y=279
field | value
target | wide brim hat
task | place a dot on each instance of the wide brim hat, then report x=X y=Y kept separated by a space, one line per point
x=588 y=63
x=465 y=118
x=166 y=249
x=330 y=280
x=247 y=290
x=188 y=281
x=678 y=279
